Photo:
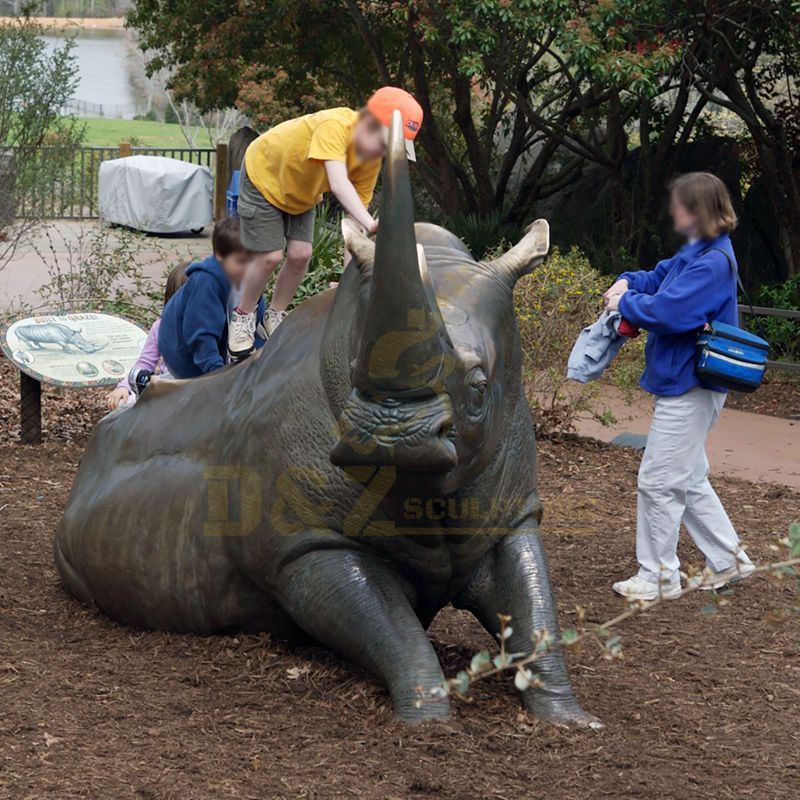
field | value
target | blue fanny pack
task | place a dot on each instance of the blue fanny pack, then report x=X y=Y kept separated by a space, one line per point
x=730 y=357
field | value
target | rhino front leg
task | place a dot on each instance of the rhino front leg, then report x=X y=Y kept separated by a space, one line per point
x=513 y=579
x=354 y=604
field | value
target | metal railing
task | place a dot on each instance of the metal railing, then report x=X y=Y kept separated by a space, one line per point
x=65 y=183
x=781 y=313
x=85 y=109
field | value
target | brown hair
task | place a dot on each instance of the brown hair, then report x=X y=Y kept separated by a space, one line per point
x=225 y=239
x=706 y=196
x=175 y=279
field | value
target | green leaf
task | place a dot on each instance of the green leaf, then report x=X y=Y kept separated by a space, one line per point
x=461 y=682
x=794 y=539
x=522 y=679
x=501 y=660
x=481 y=662
x=569 y=636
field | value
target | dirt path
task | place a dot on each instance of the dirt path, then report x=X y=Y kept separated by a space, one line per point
x=699 y=707
x=755 y=447
x=65 y=243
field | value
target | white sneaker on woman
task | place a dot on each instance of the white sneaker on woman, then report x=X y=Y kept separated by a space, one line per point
x=710 y=581
x=637 y=588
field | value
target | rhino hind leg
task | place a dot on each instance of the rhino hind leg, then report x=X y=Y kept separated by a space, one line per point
x=352 y=603
x=513 y=579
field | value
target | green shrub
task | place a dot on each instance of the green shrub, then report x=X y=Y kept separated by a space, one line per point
x=483 y=234
x=170 y=115
x=97 y=268
x=553 y=304
x=782 y=334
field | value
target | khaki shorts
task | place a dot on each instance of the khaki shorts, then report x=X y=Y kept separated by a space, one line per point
x=263 y=227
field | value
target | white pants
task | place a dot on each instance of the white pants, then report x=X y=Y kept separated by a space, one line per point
x=674 y=487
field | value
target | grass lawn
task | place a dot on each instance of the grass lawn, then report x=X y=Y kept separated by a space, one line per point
x=110 y=132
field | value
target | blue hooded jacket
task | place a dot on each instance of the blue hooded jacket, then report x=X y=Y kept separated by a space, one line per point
x=672 y=302
x=193 y=336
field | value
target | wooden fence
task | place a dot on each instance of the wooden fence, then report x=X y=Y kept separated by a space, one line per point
x=65 y=182
x=780 y=313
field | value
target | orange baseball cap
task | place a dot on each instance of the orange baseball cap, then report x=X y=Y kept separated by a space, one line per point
x=385 y=101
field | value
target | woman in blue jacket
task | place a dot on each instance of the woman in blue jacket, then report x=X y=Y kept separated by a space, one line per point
x=672 y=302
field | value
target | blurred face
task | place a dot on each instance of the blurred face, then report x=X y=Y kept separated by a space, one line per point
x=685 y=222
x=368 y=138
x=235 y=265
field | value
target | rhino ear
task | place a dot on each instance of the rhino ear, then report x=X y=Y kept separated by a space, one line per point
x=361 y=247
x=528 y=253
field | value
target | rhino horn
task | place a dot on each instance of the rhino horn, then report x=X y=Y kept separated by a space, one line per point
x=403 y=349
x=527 y=254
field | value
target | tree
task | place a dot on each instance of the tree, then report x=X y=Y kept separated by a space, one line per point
x=519 y=95
x=37 y=82
x=513 y=97
x=751 y=66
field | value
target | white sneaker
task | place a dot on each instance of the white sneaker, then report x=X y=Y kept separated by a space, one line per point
x=709 y=581
x=241 y=334
x=272 y=319
x=637 y=588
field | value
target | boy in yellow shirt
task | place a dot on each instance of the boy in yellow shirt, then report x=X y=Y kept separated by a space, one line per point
x=285 y=173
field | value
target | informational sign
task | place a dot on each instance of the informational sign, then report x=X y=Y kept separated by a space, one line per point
x=74 y=350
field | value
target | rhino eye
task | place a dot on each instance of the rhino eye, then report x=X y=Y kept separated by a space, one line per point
x=477 y=384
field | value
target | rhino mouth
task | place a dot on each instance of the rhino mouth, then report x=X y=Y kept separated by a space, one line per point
x=415 y=434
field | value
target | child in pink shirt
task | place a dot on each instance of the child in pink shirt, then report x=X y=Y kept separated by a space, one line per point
x=149 y=358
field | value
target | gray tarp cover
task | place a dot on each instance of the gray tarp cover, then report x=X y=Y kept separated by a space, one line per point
x=155 y=194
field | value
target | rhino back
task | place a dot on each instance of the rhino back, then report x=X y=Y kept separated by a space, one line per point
x=46 y=332
x=138 y=515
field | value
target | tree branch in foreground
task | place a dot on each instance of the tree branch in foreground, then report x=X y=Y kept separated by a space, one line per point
x=483 y=665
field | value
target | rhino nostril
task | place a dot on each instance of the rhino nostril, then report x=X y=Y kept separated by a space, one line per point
x=445 y=429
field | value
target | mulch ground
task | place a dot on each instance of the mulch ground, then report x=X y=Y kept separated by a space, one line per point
x=777 y=397
x=700 y=706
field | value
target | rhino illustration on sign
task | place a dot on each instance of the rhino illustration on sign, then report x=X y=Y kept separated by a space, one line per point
x=35 y=336
x=373 y=464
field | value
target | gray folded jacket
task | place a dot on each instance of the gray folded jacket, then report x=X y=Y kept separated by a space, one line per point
x=597 y=346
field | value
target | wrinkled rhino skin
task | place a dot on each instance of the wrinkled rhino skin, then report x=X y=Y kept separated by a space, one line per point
x=374 y=463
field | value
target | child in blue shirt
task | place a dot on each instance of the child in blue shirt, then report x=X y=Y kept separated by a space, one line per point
x=193 y=335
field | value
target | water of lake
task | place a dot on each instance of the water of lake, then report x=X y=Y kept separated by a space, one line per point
x=103 y=68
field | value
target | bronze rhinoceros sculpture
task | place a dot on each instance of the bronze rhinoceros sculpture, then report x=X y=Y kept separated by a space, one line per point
x=374 y=463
